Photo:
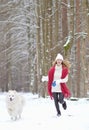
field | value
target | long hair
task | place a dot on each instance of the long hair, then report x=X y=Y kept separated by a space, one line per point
x=65 y=63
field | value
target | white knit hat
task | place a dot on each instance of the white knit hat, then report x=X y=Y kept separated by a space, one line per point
x=59 y=56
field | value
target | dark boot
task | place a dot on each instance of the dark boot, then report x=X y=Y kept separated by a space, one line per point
x=64 y=105
x=59 y=113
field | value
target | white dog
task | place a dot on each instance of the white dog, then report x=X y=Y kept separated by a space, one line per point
x=14 y=103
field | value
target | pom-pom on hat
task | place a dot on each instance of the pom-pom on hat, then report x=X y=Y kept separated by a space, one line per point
x=59 y=56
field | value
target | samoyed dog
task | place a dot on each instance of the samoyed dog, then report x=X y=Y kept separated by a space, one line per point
x=14 y=104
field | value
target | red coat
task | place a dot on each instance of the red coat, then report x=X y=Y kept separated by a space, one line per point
x=64 y=88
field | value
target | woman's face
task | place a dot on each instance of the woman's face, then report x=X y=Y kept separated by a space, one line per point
x=59 y=62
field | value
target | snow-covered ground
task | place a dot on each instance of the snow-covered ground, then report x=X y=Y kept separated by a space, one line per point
x=40 y=113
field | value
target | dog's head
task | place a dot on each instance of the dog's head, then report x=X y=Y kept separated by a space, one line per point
x=11 y=95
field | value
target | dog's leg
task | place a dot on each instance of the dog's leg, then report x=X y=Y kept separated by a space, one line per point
x=19 y=116
x=14 y=118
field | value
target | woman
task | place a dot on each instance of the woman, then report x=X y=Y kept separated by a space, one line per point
x=57 y=78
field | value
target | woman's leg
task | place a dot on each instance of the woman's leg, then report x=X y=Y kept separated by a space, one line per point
x=61 y=100
x=55 y=96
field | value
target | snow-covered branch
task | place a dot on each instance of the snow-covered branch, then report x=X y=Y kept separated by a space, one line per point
x=44 y=78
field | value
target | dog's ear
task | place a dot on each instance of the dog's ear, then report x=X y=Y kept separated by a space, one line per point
x=9 y=91
x=15 y=91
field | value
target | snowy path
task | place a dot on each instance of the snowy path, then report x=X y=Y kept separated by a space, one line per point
x=40 y=114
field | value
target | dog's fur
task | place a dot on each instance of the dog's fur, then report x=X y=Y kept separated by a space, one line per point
x=14 y=103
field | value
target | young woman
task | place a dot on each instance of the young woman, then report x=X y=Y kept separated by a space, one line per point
x=57 y=78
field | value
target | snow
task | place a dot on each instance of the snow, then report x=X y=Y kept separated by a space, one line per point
x=68 y=41
x=40 y=113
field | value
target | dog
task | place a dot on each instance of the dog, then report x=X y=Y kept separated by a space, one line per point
x=14 y=104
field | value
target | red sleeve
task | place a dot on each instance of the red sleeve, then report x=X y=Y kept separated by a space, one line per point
x=65 y=90
x=50 y=80
x=64 y=87
x=64 y=72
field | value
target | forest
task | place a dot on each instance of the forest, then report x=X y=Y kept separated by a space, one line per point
x=32 y=32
